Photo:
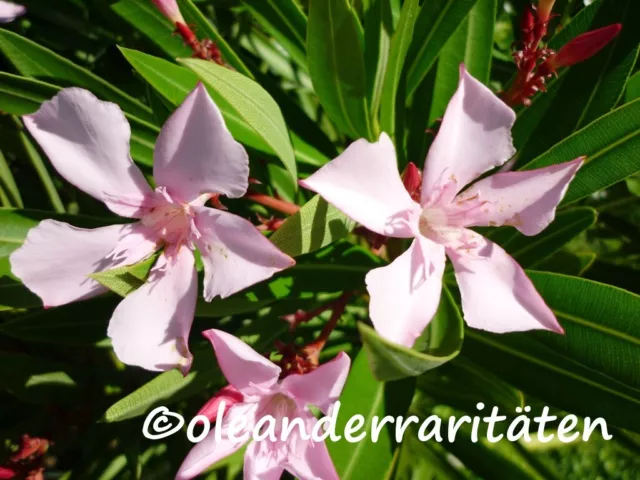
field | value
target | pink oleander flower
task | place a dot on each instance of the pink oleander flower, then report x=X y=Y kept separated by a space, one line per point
x=195 y=159
x=475 y=137
x=170 y=9
x=10 y=11
x=264 y=393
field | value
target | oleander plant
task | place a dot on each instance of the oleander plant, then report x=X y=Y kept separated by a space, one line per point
x=409 y=227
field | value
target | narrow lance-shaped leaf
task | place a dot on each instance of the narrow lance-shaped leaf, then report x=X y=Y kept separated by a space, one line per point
x=394 y=73
x=610 y=144
x=33 y=60
x=472 y=45
x=437 y=21
x=335 y=55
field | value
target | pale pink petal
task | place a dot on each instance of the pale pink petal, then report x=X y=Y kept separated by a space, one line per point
x=526 y=200
x=150 y=327
x=322 y=386
x=10 y=11
x=496 y=293
x=259 y=465
x=474 y=137
x=211 y=450
x=169 y=9
x=87 y=141
x=405 y=294
x=311 y=461
x=234 y=252
x=56 y=258
x=364 y=183
x=243 y=367
x=196 y=154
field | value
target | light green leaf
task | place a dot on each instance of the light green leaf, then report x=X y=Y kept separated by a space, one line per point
x=393 y=76
x=315 y=225
x=253 y=104
x=335 y=55
x=285 y=21
x=33 y=60
x=124 y=280
x=440 y=343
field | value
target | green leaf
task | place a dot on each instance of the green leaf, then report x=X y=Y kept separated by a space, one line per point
x=378 y=29
x=574 y=264
x=253 y=104
x=601 y=322
x=633 y=88
x=440 y=343
x=146 y=17
x=124 y=280
x=554 y=378
x=610 y=143
x=33 y=60
x=335 y=55
x=471 y=45
x=23 y=96
x=8 y=183
x=437 y=21
x=590 y=89
x=364 y=395
x=285 y=21
x=315 y=225
x=206 y=31
x=530 y=251
x=397 y=54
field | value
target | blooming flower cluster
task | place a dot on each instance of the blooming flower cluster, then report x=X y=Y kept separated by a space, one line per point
x=196 y=160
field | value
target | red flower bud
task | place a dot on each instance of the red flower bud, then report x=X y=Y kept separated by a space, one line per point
x=584 y=46
x=412 y=180
x=229 y=395
x=6 y=473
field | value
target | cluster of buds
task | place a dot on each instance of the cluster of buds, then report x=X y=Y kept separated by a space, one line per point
x=537 y=64
x=205 y=49
x=27 y=461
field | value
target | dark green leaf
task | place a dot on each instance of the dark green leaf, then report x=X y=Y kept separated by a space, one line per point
x=336 y=64
x=33 y=60
x=437 y=21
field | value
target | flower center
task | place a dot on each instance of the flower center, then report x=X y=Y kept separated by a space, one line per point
x=432 y=221
x=171 y=220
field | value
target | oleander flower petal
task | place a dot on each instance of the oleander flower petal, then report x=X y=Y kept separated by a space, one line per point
x=87 y=141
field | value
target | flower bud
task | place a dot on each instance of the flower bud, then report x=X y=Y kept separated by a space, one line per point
x=412 y=180
x=544 y=9
x=229 y=395
x=584 y=46
x=169 y=9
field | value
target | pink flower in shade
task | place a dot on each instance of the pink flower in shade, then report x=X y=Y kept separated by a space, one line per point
x=170 y=9
x=266 y=394
x=195 y=158
x=474 y=137
x=10 y=11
